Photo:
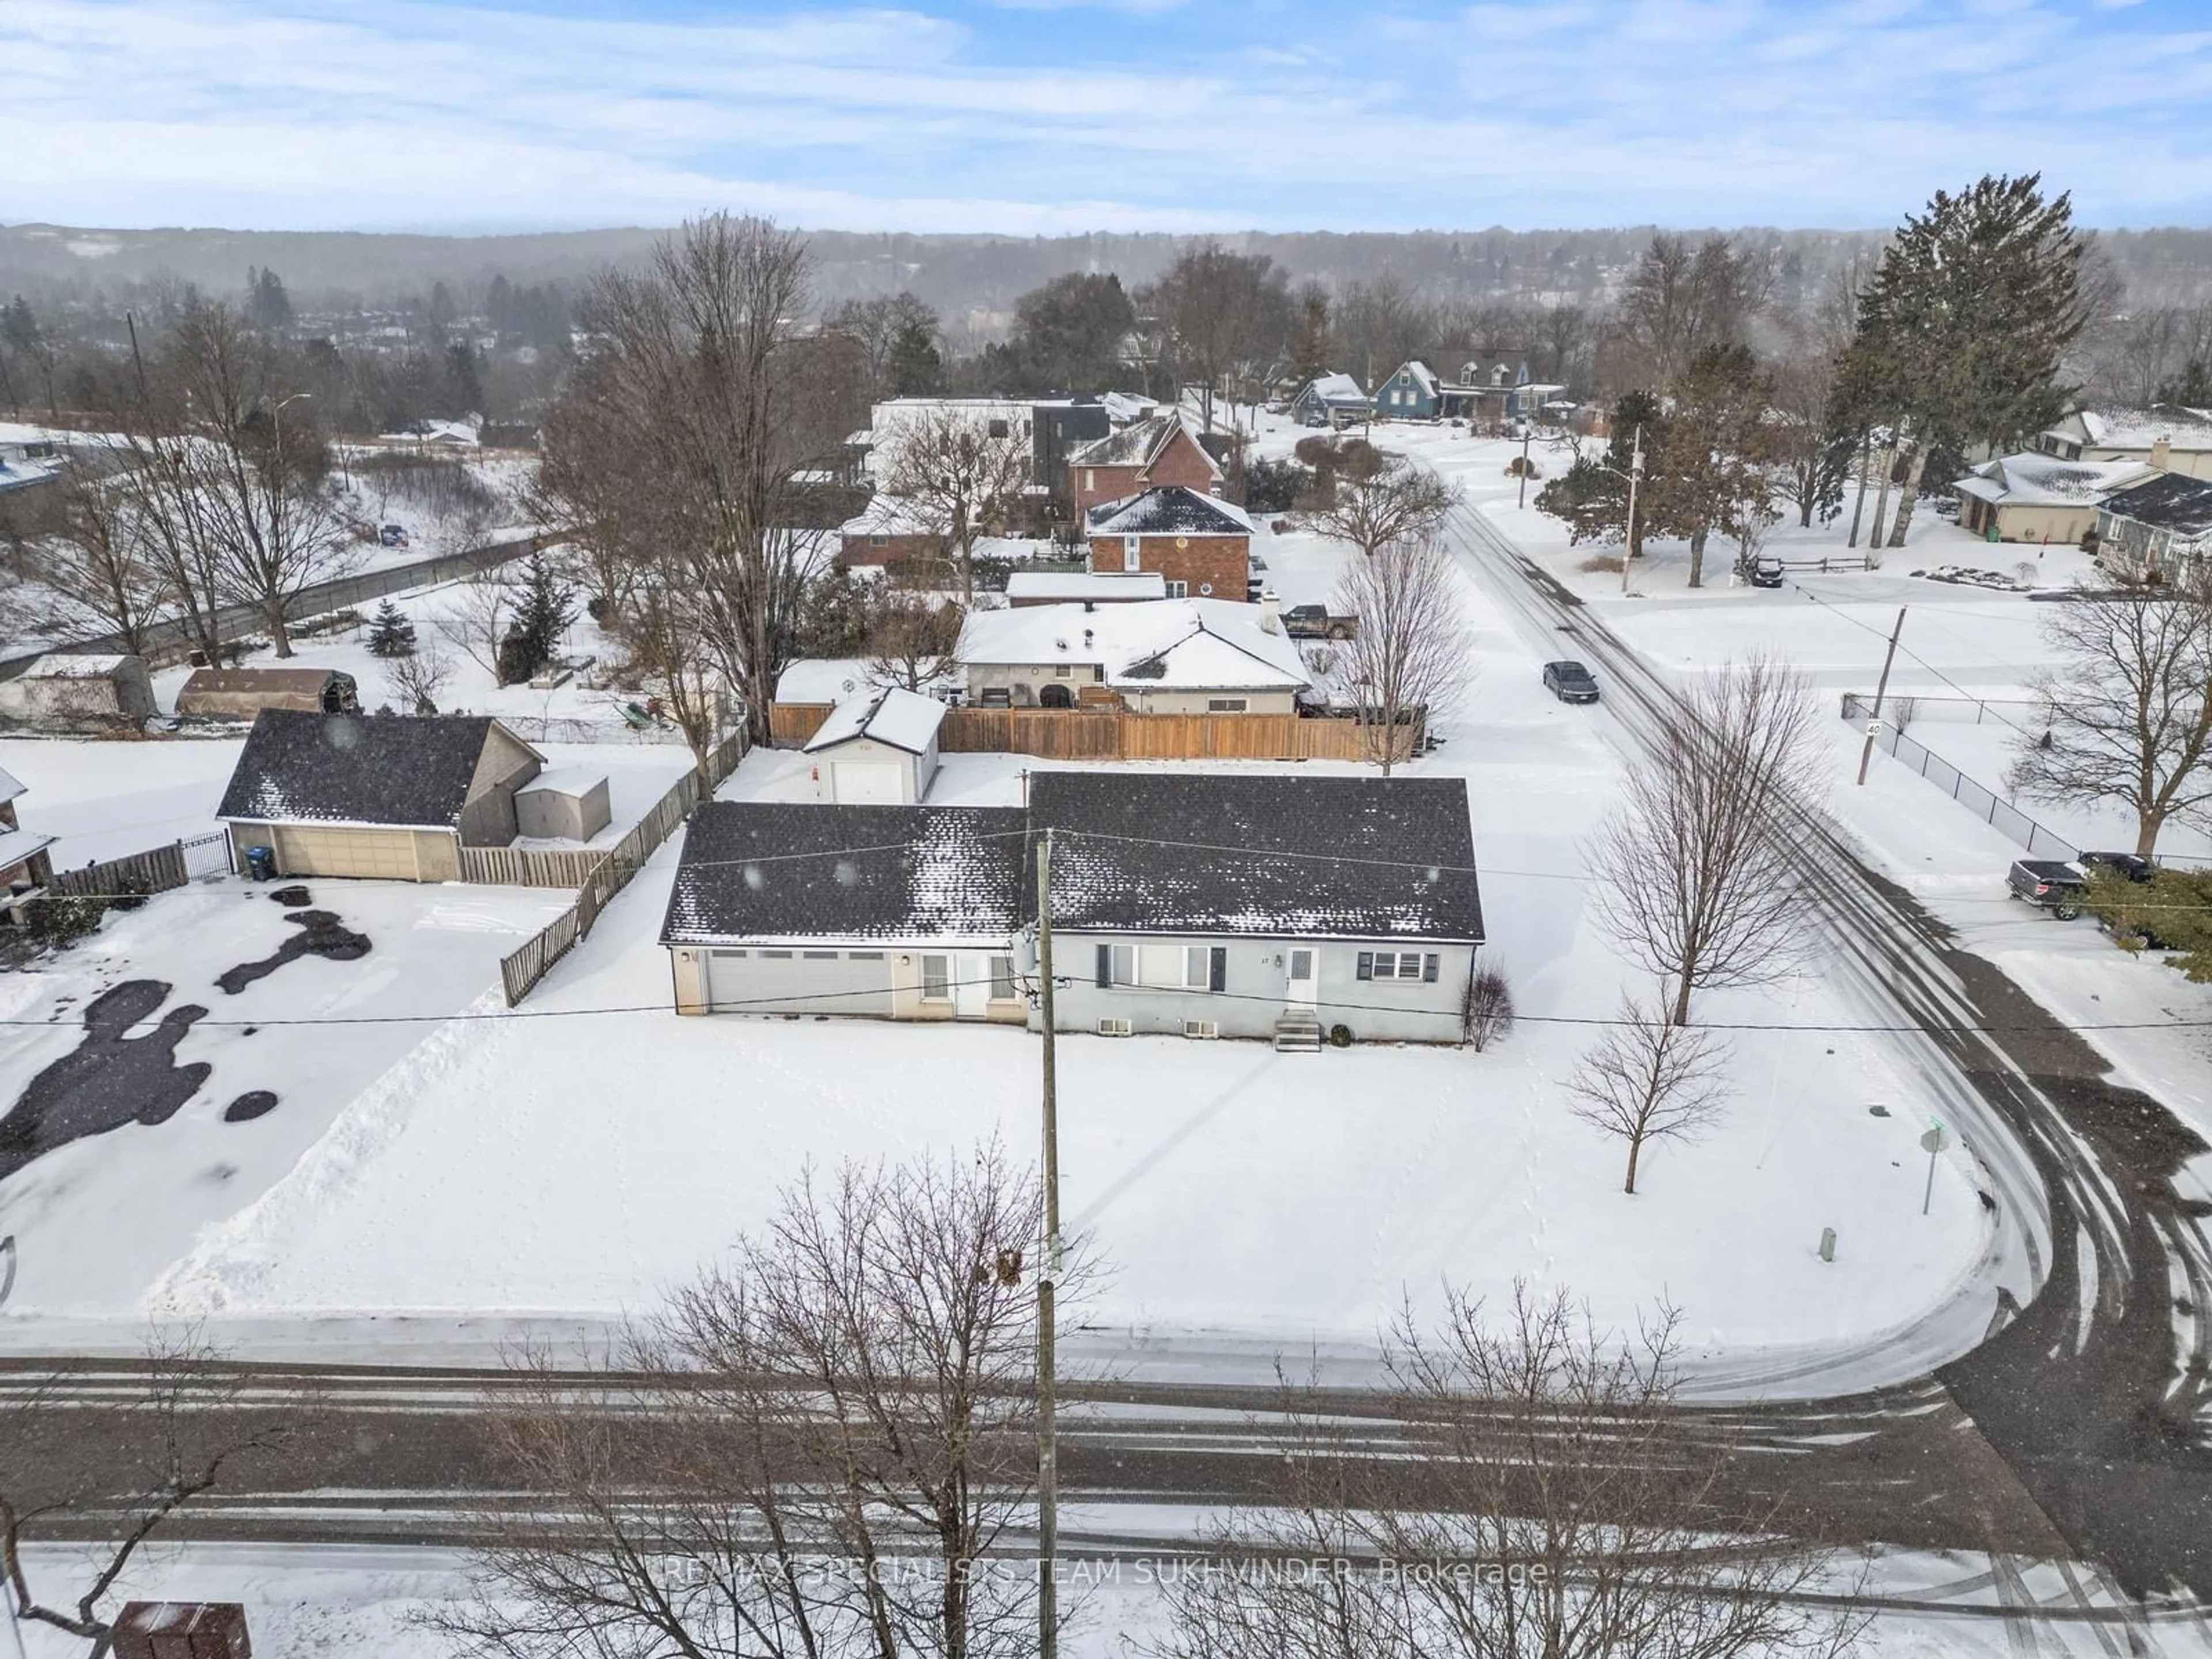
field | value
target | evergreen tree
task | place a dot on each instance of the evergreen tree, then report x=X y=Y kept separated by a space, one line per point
x=464 y=384
x=390 y=633
x=267 y=305
x=547 y=607
x=1068 y=334
x=914 y=367
x=1310 y=346
x=1592 y=496
x=1963 y=332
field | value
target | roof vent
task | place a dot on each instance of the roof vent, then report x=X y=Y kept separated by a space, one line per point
x=1086 y=637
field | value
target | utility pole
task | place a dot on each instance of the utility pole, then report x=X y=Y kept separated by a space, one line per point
x=1526 y=434
x=1881 y=687
x=1635 y=477
x=1047 y=1443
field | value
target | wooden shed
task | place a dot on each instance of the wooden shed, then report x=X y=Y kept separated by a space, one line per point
x=242 y=693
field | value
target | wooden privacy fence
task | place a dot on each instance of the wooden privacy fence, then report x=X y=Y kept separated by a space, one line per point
x=1116 y=735
x=608 y=873
x=157 y=871
x=530 y=866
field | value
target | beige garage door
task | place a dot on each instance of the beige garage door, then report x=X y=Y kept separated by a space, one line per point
x=385 y=855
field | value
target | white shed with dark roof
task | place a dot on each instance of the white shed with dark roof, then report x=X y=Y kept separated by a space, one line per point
x=388 y=797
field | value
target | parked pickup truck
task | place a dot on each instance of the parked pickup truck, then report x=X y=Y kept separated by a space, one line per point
x=1313 y=622
x=2050 y=883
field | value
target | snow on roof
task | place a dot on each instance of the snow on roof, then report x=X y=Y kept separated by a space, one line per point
x=782 y=871
x=1063 y=587
x=9 y=788
x=2139 y=428
x=1123 y=406
x=2032 y=479
x=825 y=679
x=2172 y=502
x=19 y=847
x=1168 y=509
x=1263 y=853
x=904 y=720
x=397 y=770
x=892 y=515
x=433 y=432
x=565 y=780
x=78 y=665
x=1168 y=644
x=1139 y=443
x=1420 y=371
x=1334 y=388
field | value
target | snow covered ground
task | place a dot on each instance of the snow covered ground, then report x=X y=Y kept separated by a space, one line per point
x=573 y=1163
x=337 y=1603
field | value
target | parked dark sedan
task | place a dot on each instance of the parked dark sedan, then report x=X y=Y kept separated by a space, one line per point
x=1570 y=682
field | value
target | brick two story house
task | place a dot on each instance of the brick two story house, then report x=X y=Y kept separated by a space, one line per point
x=1201 y=546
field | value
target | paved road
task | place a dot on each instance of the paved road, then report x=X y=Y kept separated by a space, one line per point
x=2086 y=1383
x=332 y=595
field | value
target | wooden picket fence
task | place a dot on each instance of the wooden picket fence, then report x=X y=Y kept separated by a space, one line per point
x=155 y=872
x=607 y=873
x=1088 y=734
x=530 y=866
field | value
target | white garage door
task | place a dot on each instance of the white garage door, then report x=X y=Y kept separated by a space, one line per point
x=866 y=783
x=795 y=981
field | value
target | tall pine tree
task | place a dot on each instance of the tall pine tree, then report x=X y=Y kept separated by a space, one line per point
x=390 y=633
x=1963 y=332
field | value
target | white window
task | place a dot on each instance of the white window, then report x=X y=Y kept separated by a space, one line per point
x=1396 y=964
x=1133 y=552
x=1063 y=670
x=1002 y=979
x=1227 y=705
x=937 y=979
x=1178 y=590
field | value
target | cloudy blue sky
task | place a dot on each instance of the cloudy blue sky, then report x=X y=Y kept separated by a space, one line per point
x=1043 y=116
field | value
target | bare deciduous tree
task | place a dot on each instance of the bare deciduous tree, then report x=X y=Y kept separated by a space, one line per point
x=184 y=1431
x=418 y=678
x=102 y=558
x=1407 y=659
x=1697 y=879
x=700 y=398
x=1380 y=499
x=1650 y=1079
x=962 y=470
x=832 y=1434
x=2127 y=712
x=1554 y=1503
x=478 y=615
x=912 y=640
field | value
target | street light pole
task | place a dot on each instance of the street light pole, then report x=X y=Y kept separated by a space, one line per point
x=1635 y=477
x=1527 y=433
x=1047 y=1442
x=1880 y=689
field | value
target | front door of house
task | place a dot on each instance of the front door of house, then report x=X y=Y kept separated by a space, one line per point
x=1302 y=990
x=971 y=987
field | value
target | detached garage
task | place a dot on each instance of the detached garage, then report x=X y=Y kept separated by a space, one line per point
x=386 y=797
x=878 y=750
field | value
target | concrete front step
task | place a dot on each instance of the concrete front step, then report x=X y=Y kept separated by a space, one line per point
x=1298 y=1034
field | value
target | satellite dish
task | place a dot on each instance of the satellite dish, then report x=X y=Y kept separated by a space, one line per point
x=850 y=686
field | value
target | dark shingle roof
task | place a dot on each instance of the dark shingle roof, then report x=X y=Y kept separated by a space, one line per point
x=1167 y=507
x=2173 y=501
x=773 y=870
x=1260 y=854
x=354 y=769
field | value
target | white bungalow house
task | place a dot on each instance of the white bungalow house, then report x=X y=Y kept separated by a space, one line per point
x=1154 y=657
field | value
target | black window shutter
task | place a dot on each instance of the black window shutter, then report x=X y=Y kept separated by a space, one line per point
x=1429 y=969
x=1217 y=977
x=1367 y=965
x=1105 y=967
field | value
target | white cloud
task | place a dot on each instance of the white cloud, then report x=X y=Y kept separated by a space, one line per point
x=1685 y=111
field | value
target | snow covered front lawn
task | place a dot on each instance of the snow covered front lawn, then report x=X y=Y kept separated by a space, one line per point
x=116 y=1198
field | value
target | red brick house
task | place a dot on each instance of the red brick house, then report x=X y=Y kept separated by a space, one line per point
x=1202 y=547
x=1156 y=451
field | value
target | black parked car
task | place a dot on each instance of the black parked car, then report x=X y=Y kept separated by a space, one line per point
x=2133 y=866
x=2050 y=884
x=1570 y=682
